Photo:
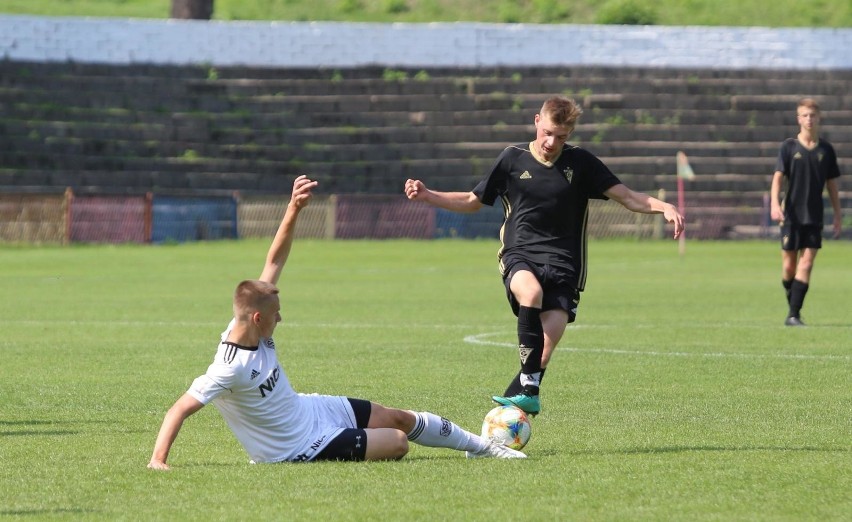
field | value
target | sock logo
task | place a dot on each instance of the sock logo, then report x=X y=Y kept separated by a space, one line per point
x=446 y=427
x=524 y=352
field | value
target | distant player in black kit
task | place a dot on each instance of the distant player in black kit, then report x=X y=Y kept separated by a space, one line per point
x=806 y=165
x=545 y=187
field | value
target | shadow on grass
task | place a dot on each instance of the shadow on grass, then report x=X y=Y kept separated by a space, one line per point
x=39 y=423
x=200 y=464
x=687 y=449
x=28 y=423
x=37 y=512
x=48 y=422
x=30 y=433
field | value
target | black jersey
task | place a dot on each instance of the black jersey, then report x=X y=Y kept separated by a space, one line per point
x=805 y=173
x=545 y=205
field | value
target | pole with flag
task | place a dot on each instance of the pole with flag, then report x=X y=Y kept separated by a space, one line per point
x=684 y=172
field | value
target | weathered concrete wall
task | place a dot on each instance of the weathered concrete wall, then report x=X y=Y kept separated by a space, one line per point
x=329 y=44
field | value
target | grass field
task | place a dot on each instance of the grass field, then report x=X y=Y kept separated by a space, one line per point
x=678 y=395
x=784 y=13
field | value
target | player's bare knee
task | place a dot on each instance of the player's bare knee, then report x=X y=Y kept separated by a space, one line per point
x=386 y=444
x=401 y=447
x=527 y=296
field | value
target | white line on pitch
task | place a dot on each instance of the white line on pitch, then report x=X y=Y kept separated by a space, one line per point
x=478 y=339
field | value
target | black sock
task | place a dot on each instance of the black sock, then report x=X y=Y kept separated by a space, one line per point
x=515 y=386
x=530 y=348
x=787 y=284
x=798 y=290
x=530 y=339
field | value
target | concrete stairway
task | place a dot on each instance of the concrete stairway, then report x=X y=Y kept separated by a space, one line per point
x=142 y=128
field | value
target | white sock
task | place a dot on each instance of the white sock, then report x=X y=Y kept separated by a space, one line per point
x=438 y=432
x=533 y=379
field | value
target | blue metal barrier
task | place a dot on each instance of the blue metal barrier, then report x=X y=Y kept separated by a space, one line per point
x=193 y=218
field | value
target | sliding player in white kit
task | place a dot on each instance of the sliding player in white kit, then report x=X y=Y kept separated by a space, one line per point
x=272 y=421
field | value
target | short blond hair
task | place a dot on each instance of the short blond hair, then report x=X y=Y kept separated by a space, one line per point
x=562 y=111
x=809 y=103
x=252 y=295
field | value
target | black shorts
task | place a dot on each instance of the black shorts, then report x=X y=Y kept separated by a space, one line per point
x=559 y=292
x=351 y=444
x=798 y=237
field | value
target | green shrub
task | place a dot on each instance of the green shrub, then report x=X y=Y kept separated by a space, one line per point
x=350 y=6
x=396 y=6
x=394 y=75
x=552 y=11
x=509 y=12
x=627 y=12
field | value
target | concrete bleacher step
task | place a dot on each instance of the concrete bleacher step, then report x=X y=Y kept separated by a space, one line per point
x=207 y=96
x=695 y=150
x=603 y=138
x=712 y=183
x=367 y=129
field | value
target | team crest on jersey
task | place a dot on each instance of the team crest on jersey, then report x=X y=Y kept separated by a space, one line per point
x=820 y=156
x=568 y=173
x=797 y=155
x=526 y=175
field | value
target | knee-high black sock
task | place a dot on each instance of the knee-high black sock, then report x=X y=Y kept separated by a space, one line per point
x=797 y=297
x=530 y=347
x=787 y=284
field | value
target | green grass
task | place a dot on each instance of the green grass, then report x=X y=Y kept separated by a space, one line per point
x=678 y=395
x=784 y=13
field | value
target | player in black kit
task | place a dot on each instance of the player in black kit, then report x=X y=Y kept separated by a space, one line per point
x=545 y=187
x=806 y=165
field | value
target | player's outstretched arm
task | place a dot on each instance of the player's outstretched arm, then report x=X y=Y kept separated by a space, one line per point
x=416 y=190
x=645 y=204
x=279 y=250
x=172 y=422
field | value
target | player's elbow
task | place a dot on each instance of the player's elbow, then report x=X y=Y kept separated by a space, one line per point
x=473 y=204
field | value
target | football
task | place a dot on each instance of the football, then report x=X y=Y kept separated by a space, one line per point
x=507 y=425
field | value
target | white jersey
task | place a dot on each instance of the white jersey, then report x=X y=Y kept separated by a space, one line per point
x=272 y=422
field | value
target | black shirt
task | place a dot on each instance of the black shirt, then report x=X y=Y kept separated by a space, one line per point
x=805 y=173
x=545 y=205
